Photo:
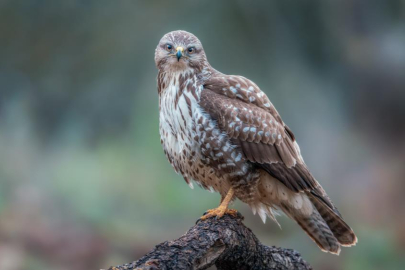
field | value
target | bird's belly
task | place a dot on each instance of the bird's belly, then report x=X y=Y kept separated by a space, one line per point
x=180 y=139
x=206 y=177
x=185 y=156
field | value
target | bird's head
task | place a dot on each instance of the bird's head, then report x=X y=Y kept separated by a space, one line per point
x=178 y=51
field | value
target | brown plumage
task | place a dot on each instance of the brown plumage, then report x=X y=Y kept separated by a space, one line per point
x=223 y=132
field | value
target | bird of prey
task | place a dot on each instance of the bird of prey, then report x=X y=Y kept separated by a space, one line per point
x=222 y=132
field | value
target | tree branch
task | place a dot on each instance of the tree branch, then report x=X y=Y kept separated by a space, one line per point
x=226 y=243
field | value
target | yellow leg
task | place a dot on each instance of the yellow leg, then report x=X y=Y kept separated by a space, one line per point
x=222 y=209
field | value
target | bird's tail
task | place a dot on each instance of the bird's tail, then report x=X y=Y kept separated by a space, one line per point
x=343 y=233
x=319 y=232
x=312 y=210
x=325 y=227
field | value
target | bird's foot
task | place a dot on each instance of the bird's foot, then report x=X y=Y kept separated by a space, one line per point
x=219 y=212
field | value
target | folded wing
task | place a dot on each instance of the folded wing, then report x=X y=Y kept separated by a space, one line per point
x=245 y=113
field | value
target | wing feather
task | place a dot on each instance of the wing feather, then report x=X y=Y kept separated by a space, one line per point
x=245 y=113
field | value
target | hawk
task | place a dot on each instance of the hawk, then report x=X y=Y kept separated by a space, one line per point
x=222 y=132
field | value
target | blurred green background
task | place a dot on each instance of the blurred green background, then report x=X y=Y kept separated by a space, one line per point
x=84 y=183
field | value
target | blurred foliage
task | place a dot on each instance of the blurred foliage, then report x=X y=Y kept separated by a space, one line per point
x=84 y=183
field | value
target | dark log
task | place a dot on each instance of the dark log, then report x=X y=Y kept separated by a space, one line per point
x=226 y=243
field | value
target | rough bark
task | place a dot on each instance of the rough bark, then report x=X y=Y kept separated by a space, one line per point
x=226 y=243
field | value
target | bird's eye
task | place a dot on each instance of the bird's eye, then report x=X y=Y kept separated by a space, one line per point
x=169 y=47
x=191 y=50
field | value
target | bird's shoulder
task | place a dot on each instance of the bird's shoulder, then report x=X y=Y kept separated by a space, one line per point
x=225 y=91
x=238 y=87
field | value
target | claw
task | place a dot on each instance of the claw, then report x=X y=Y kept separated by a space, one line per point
x=219 y=212
x=222 y=209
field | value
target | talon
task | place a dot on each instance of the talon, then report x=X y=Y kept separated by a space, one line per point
x=219 y=213
x=232 y=212
x=222 y=209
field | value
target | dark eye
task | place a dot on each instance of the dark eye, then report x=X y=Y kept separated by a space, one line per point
x=169 y=47
x=191 y=50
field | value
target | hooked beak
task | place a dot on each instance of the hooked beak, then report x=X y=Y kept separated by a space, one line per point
x=179 y=53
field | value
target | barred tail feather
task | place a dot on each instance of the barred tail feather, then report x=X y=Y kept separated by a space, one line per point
x=320 y=233
x=343 y=233
x=312 y=210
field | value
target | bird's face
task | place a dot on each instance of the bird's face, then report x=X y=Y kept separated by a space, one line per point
x=179 y=51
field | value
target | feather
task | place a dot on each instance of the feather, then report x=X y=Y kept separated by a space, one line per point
x=275 y=152
x=320 y=233
x=285 y=155
x=340 y=229
x=262 y=213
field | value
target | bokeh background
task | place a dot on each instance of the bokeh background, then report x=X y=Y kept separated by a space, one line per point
x=84 y=183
